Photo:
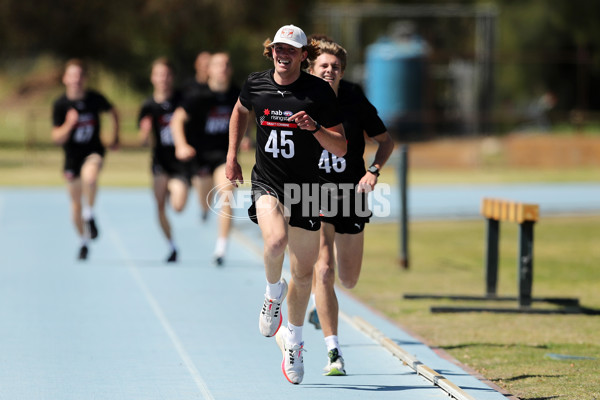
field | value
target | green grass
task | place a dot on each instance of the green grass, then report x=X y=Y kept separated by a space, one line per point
x=510 y=350
x=127 y=167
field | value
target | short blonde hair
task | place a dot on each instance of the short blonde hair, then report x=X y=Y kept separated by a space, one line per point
x=327 y=46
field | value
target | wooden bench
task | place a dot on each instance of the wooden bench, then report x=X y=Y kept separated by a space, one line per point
x=526 y=215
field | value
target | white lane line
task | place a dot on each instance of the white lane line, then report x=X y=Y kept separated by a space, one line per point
x=409 y=359
x=160 y=315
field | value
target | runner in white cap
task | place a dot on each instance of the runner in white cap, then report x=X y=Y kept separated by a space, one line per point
x=296 y=115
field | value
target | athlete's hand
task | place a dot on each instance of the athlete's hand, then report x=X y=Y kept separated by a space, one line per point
x=304 y=121
x=114 y=146
x=145 y=128
x=233 y=172
x=366 y=183
x=71 y=118
x=185 y=152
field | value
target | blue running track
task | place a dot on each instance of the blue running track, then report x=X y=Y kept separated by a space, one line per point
x=126 y=325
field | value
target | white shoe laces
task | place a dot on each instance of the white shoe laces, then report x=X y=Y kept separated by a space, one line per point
x=271 y=308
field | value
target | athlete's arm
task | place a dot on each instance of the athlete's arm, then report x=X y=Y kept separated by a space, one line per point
x=238 y=124
x=385 y=146
x=183 y=150
x=332 y=139
x=116 y=128
x=60 y=134
x=145 y=129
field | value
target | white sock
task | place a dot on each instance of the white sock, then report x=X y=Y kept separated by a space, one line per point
x=84 y=240
x=332 y=343
x=273 y=290
x=294 y=334
x=312 y=300
x=86 y=234
x=87 y=212
x=221 y=246
x=172 y=245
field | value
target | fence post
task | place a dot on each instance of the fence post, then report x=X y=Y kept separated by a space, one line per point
x=491 y=257
x=525 y=262
x=402 y=176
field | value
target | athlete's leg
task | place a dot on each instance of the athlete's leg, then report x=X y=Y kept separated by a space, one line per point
x=303 y=247
x=75 y=192
x=349 y=252
x=225 y=192
x=74 y=188
x=325 y=298
x=274 y=229
x=178 y=190
x=313 y=316
x=90 y=170
x=225 y=188
x=203 y=183
x=160 y=184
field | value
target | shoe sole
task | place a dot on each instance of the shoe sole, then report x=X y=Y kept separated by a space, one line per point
x=279 y=339
x=335 y=372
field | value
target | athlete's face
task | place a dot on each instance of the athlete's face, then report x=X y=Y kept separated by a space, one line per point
x=201 y=63
x=287 y=59
x=219 y=68
x=329 y=68
x=74 y=78
x=162 y=77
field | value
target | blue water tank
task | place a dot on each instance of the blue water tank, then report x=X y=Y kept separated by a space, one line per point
x=394 y=81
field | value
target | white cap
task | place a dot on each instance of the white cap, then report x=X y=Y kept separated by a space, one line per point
x=292 y=35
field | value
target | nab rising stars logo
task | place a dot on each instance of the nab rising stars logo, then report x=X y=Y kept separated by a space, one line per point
x=277 y=115
x=277 y=118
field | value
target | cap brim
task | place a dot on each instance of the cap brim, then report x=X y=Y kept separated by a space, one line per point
x=290 y=42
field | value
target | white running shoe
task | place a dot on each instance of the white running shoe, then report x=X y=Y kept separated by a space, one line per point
x=293 y=363
x=335 y=364
x=270 y=319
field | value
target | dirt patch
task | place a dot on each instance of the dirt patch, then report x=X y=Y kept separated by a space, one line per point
x=33 y=89
x=517 y=150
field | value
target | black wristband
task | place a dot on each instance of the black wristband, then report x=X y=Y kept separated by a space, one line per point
x=317 y=128
x=374 y=170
